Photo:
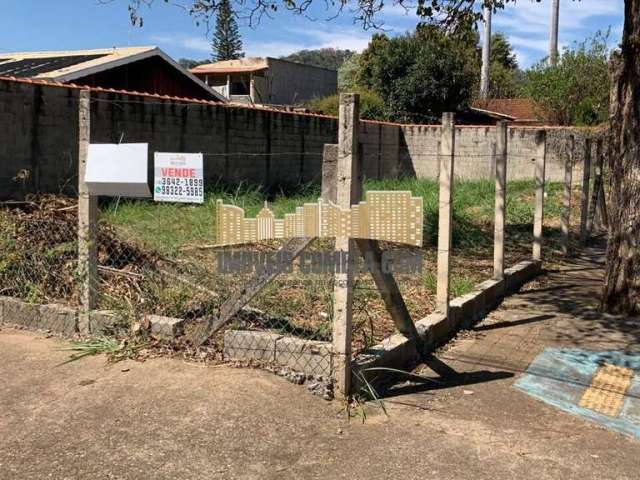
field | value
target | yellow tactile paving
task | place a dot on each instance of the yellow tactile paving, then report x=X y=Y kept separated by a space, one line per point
x=607 y=390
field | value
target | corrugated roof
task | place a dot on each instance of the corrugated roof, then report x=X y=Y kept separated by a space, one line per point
x=67 y=66
x=32 y=67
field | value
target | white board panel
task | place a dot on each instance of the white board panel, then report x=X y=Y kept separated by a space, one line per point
x=118 y=169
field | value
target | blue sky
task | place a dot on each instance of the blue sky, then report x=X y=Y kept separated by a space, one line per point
x=77 y=24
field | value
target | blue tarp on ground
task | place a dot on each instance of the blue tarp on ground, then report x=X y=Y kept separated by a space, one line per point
x=560 y=377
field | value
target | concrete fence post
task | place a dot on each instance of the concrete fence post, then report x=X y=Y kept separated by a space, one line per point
x=603 y=216
x=87 y=220
x=586 y=181
x=446 y=160
x=500 y=200
x=348 y=192
x=566 y=200
x=597 y=187
x=538 y=218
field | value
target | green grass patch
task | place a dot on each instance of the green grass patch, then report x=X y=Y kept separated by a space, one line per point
x=166 y=227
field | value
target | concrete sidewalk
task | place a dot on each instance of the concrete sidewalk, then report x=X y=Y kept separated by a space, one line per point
x=167 y=419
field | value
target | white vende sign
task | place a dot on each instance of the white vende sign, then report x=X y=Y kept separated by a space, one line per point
x=178 y=178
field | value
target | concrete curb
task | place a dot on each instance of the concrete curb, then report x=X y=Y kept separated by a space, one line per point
x=63 y=320
x=435 y=330
x=54 y=318
x=310 y=357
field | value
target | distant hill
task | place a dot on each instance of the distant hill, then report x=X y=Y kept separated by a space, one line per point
x=331 y=58
x=189 y=63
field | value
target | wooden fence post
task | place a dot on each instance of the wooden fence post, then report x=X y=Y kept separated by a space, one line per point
x=538 y=219
x=566 y=200
x=446 y=160
x=586 y=180
x=348 y=192
x=500 y=201
x=87 y=220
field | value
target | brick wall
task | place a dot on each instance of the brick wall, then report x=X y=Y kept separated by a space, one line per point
x=38 y=141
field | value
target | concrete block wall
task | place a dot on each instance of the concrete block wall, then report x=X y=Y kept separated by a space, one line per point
x=419 y=151
x=239 y=144
x=38 y=141
x=38 y=138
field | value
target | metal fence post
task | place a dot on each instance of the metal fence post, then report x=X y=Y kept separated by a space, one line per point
x=566 y=201
x=500 y=201
x=348 y=192
x=586 y=181
x=87 y=220
x=538 y=219
x=446 y=154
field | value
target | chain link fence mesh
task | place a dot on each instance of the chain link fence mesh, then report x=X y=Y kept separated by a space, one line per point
x=160 y=260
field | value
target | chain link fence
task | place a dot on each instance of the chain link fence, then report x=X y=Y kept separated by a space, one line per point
x=158 y=270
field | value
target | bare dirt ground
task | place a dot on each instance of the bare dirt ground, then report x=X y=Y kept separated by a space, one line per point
x=167 y=419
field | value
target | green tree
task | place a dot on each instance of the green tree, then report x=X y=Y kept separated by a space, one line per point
x=502 y=51
x=421 y=75
x=226 y=44
x=576 y=90
x=504 y=74
x=331 y=58
x=348 y=72
x=371 y=105
x=504 y=82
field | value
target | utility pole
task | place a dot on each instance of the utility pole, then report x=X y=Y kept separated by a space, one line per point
x=553 y=41
x=486 y=53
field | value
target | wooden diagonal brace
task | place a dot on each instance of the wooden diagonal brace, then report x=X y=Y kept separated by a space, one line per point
x=234 y=304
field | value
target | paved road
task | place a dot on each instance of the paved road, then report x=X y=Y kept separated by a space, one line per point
x=167 y=419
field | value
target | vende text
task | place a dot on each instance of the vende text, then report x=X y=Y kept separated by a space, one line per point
x=178 y=172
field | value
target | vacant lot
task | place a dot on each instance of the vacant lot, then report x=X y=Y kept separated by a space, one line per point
x=160 y=258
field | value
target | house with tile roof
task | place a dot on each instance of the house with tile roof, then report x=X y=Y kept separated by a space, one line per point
x=268 y=81
x=522 y=111
x=136 y=69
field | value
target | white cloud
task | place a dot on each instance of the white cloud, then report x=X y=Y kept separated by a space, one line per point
x=332 y=36
x=353 y=38
x=270 y=49
x=527 y=24
x=198 y=44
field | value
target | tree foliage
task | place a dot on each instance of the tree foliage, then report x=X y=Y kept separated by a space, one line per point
x=502 y=52
x=348 y=72
x=576 y=90
x=371 y=105
x=331 y=58
x=504 y=75
x=395 y=69
x=226 y=43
